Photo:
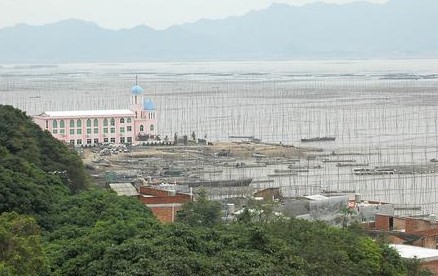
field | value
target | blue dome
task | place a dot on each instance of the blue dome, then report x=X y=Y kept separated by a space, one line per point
x=149 y=105
x=136 y=90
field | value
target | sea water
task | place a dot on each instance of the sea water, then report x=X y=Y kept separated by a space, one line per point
x=382 y=112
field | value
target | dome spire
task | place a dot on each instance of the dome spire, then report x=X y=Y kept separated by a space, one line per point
x=136 y=90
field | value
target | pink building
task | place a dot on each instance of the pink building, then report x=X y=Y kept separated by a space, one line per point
x=90 y=127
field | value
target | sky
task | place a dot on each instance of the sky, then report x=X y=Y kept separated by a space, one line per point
x=119 y=14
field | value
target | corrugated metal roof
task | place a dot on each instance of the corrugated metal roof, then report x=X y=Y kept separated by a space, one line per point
x=89 y=113
x=123 y=189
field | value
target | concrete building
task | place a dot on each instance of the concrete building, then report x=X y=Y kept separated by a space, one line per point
x=315 y=207
x=92 y=127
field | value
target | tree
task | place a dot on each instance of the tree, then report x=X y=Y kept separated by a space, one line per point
x=201 y=212
x=21 y=251
x=21 y=138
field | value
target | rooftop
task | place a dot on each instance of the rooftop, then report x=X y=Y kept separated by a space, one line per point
x=410 y=252
x=125 y=189
x=88 y=113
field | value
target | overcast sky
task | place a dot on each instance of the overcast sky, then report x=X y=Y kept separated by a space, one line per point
x=117 y=14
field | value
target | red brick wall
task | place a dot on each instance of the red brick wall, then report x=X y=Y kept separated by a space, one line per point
x=399 y=223
x=153 y=192
x=432 y=266
x=429 y=242
x=382 y=222
x=164 y=214
x=395 y=240
x=414 y=225
x=165 y=200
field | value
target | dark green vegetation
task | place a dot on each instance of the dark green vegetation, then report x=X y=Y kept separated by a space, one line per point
x=52 y=224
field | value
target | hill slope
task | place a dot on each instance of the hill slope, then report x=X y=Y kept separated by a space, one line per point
x=35 y=168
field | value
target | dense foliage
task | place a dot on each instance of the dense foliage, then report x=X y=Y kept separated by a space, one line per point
x=24 y=148
x=21 y=252
x=95 y=232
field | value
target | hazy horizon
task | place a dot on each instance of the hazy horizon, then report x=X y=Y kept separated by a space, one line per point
x=157 y=14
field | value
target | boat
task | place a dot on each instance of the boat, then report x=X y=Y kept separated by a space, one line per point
x=338 y=160
x=339 y=164
x=241 y=165
x=363 y=171
x=218 y=183
x=290 y=170
x=318 y=139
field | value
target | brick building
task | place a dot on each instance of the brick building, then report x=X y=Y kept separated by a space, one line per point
x=408 y=230
x=164 y=204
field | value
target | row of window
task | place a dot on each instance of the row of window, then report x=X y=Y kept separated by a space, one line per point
x=105 y=130
x=106 y=122
x=122 y=140
x=151 y=128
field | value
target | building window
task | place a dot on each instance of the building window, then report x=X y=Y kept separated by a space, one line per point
x=122 y=140
x=72 y=131
x=113 y=140
x=105 y=122
x=88 y=141
x=129 y=139
x=105 y=130
x=122 y=130
x=105 y=140
x=113 y=122
x=141 y=128
x=96 y=130
x=152 y=128
x=88 y=122
x=62 y=131
x=96 y=123
x=128 y=120
x=79 y=123
x=72 y=123
x=122 y=120
x=79 y=131
x=72 y=142
x=61 y=124
x=96 y=141
x=88 y=130
x=47 y=124
x=54 y=131
x=129 y=128
x=79 y=141
x=113 y=130
x=55 y=124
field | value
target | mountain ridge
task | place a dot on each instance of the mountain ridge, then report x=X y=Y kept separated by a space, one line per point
x=398 y=28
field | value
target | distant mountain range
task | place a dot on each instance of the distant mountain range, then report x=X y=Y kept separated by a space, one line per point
x=399 y=28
